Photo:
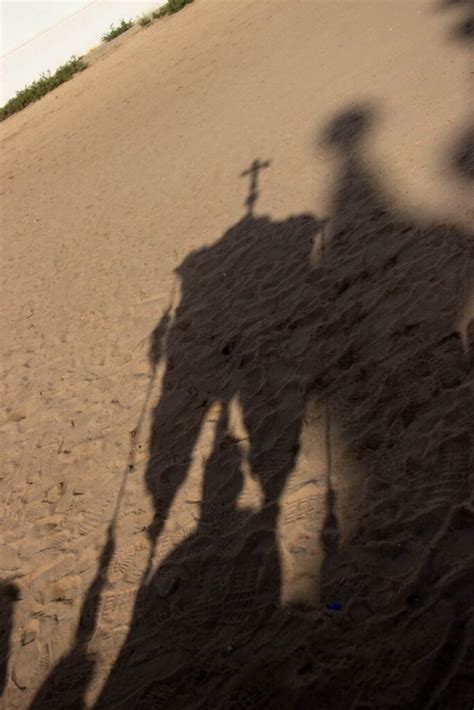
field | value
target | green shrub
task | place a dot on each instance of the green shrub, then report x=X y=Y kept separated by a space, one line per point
x=159 y=13
x=176 y=5
x=46 y=83
x=170 y=8
x=116 y=31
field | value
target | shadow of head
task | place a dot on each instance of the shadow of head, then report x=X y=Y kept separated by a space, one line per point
x=349 y=128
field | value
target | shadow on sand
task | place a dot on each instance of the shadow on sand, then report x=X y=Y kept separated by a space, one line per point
x=9 y=594
x=359 y=312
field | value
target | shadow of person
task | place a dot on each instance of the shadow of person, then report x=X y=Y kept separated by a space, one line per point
x=229 y=339
x=8 y=596
x=201 y=608
x=370 y=331
x=232 y=338
x=399 y=384
x=68 y=682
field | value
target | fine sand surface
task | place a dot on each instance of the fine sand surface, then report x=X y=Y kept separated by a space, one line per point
x=238 y=358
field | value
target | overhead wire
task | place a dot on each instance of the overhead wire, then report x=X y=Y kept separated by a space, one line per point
x=48 y=29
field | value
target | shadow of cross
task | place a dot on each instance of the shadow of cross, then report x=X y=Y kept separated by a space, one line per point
x=253 y=192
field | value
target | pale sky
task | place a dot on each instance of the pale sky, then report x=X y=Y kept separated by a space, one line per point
x=40 y=35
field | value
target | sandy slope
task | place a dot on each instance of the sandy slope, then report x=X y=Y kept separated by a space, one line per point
x=312 y=402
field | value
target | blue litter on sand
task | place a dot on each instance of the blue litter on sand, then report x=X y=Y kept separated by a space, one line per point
x=334 y=606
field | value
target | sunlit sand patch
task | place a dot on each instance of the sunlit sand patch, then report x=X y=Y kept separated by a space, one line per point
x=303 y=506
x=464 y=325
x=251 y=495
x=319 y=245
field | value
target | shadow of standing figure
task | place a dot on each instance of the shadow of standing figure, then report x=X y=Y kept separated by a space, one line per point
x=399 y=383
x=370 y=332
x=232 y=337
x=196 y=620
x=67 y=684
